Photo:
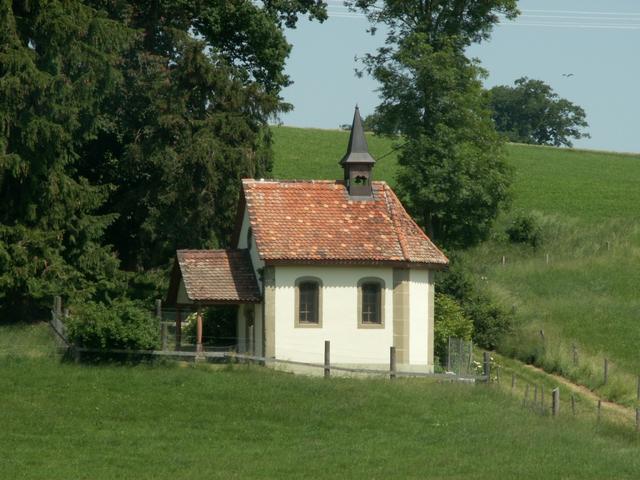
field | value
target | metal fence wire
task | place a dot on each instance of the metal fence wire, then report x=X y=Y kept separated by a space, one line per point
x=459 y=358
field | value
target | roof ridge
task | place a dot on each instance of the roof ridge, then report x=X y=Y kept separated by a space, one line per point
x=401 y=240
x=320 y=181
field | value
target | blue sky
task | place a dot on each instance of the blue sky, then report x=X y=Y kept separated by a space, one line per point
x=596 y=41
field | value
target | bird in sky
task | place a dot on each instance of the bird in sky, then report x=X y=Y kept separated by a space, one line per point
x=567 y=75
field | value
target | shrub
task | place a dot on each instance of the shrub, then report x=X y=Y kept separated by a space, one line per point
x=120 y=324
x=450 y=321
x=490 y=320
x=525 y=228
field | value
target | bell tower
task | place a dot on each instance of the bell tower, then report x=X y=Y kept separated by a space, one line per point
x=357 y=163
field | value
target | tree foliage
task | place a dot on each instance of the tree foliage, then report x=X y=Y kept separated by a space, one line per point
x=490 y=320
x=125 y=128
x=58 y=62
x=442 y=22
x=453 y=178
x=531 y=112
x=449 y=321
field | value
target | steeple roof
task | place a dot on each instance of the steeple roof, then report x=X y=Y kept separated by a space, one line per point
x=357 y=150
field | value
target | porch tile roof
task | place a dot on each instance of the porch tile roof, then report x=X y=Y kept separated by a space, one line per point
x=316 y=221
x=224 y=276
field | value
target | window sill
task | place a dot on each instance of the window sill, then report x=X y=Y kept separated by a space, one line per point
x=371 y=325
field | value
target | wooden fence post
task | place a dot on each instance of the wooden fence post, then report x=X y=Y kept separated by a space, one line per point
x=57 y=305
x=327 y=359
x=392 y=362
x=573 y=404
x=199 y=330
x=504 y=260
x=637 y=419
x=449 y=354
x=163 y=335
x=178 y=329
x=486 y=366
x=547 y=259
x=606 y=370
x=252 y=345
x=575 y=354
x=555 y=401
x=599 y=409
x=513 y=381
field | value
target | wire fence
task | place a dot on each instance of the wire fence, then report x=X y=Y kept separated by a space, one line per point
x=459 y=357
x=176 y=345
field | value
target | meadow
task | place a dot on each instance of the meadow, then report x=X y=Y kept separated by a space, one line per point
x=155 y=421
x=586 y=203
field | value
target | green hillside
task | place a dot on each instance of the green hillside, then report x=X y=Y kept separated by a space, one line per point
x=587 y=204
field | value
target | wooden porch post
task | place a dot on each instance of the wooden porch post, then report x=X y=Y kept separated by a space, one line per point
x=178 y=328
x=199 y=330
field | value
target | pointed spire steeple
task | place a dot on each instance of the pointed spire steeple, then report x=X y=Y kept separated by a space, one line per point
x=357 y=162
x=357 y=150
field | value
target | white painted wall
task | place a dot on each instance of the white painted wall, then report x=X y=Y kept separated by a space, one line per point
x=349 y=344
x=253 y=250
x=419 y=282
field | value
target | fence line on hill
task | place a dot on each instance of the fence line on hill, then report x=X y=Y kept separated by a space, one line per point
x=460 y=366
x=57 y=324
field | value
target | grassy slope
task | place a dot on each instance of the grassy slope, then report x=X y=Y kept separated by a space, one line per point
x=587 y=294
x=63 y=421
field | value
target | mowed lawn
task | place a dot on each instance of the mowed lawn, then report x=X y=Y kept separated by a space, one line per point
x=68 y=421
x=590 y=203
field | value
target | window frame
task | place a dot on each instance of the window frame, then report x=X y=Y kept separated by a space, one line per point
x=296 y=311
x=381 y=284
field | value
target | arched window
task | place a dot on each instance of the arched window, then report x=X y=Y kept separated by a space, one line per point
x=371 y=303
x=308 y=311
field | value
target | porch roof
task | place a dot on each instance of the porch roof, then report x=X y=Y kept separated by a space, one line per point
x=213 y=277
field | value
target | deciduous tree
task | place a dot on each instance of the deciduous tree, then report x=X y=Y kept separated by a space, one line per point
x=531 y=112
x=453 y=177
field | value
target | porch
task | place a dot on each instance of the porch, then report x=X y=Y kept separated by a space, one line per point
x=201 y=279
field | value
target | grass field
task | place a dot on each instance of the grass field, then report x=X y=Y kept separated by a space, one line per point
x=588 y=204
x=63 y=421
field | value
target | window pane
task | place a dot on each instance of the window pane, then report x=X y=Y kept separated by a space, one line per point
x=308 y=302
x=371 y=296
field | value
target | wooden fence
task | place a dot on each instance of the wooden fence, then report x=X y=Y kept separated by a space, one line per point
x=57 y=324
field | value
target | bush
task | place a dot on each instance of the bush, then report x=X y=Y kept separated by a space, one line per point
x=120 y=324
x=490 y=320
x=525 y=228
x=450 y=321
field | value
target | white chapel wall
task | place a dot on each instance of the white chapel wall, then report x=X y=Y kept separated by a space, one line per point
x=349 y=344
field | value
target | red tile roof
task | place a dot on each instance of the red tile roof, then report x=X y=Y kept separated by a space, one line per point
x=210 y=276
x=315 y=221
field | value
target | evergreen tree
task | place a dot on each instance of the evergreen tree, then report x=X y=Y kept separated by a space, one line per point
x=58 y=62
x=191 y=120
x=130 y=124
